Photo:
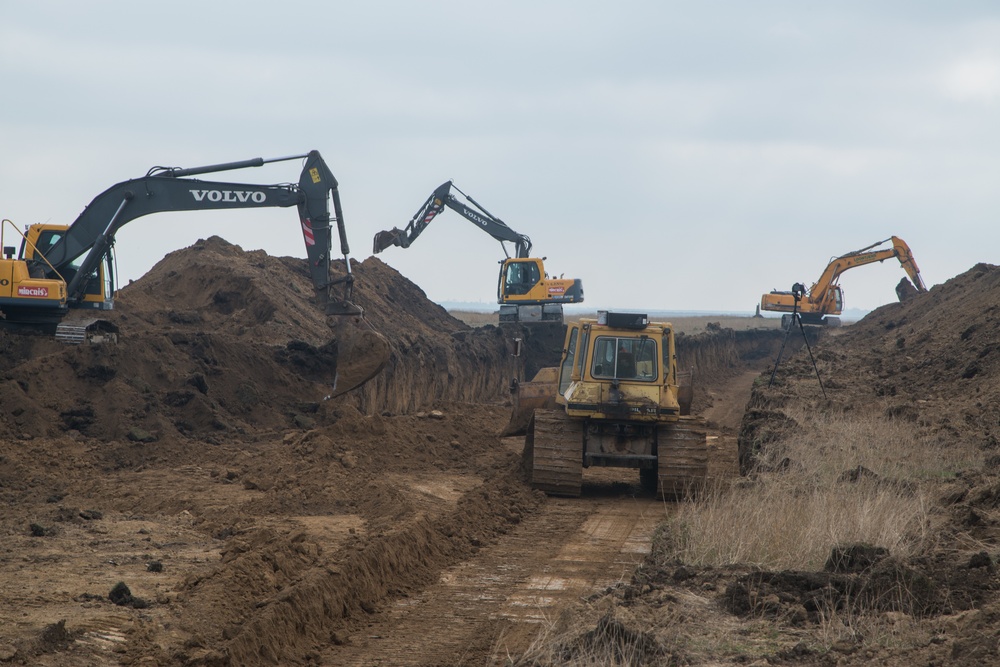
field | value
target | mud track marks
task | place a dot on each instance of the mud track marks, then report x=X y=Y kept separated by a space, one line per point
x=483 y=608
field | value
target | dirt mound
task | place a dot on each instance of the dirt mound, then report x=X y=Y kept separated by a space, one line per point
x=937 y=346
x=216 y=341
x=933 y=359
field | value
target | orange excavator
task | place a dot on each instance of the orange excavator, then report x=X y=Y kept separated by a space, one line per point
x=825 y=300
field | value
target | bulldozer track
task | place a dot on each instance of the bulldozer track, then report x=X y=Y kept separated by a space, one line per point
x=556 y=443
x=682 y=459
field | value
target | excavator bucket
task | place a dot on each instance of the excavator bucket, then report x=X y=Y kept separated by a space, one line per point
x=387 y=238
x=905 y=290
x=362 y=353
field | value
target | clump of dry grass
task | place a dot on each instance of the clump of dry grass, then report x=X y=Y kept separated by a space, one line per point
x=786 y=524
x=838 y=479
x=615 y=639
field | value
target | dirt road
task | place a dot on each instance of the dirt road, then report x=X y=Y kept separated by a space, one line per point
x=495 y=604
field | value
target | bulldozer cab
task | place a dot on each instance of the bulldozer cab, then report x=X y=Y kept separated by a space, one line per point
x=616 y=357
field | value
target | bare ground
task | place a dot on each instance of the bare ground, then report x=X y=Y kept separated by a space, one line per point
x=191 y=496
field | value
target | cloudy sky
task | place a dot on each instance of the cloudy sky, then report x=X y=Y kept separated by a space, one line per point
x=672 y=155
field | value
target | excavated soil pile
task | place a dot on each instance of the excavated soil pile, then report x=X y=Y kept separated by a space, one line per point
x=216 y=340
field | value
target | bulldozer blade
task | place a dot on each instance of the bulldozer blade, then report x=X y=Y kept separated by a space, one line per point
x=539 y=394
x=362 y=353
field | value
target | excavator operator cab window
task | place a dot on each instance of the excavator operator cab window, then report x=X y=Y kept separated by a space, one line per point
x=521 y=277
x=47 y=239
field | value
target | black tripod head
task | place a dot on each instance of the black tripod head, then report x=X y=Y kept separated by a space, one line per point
x=798 y=289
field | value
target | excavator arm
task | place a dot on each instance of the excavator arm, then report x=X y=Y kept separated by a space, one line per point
x=867 y=255
x=91 y=236
x=475 y=213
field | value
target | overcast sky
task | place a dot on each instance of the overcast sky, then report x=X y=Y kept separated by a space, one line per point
x=672 y=155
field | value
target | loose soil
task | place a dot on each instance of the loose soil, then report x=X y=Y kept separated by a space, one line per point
x=194 y=495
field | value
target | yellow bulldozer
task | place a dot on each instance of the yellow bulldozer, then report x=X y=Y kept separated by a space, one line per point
x=617 y=400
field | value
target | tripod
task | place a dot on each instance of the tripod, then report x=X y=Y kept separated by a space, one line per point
x=798 y=289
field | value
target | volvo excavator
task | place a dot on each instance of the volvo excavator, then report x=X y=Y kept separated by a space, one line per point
x=62 y=274
x=825 y=300
x=524 y=291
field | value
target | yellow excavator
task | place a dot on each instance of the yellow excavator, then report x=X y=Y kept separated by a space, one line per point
x=525 y=291
x=62 y=274
x=822 y=302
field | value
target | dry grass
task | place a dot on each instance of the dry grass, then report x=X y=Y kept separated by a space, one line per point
x=790 y=519
x=790 y=525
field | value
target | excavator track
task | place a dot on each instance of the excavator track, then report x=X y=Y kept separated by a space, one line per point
x=555 y=444
x=682 y=460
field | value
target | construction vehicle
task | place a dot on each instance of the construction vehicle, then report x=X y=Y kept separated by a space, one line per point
x=617 y=400
x=525 y=291
x=825 y=300
x=62 y=273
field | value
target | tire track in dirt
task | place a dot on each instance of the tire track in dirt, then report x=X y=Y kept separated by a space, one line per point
x=498 y=601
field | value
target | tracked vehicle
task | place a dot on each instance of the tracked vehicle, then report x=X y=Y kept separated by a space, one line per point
x=618 y=400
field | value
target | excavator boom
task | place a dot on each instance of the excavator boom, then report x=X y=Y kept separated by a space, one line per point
x=164 y=189
x=439 y=199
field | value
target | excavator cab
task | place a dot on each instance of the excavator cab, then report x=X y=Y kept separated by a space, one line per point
x=97 y=290
x=519 y=277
